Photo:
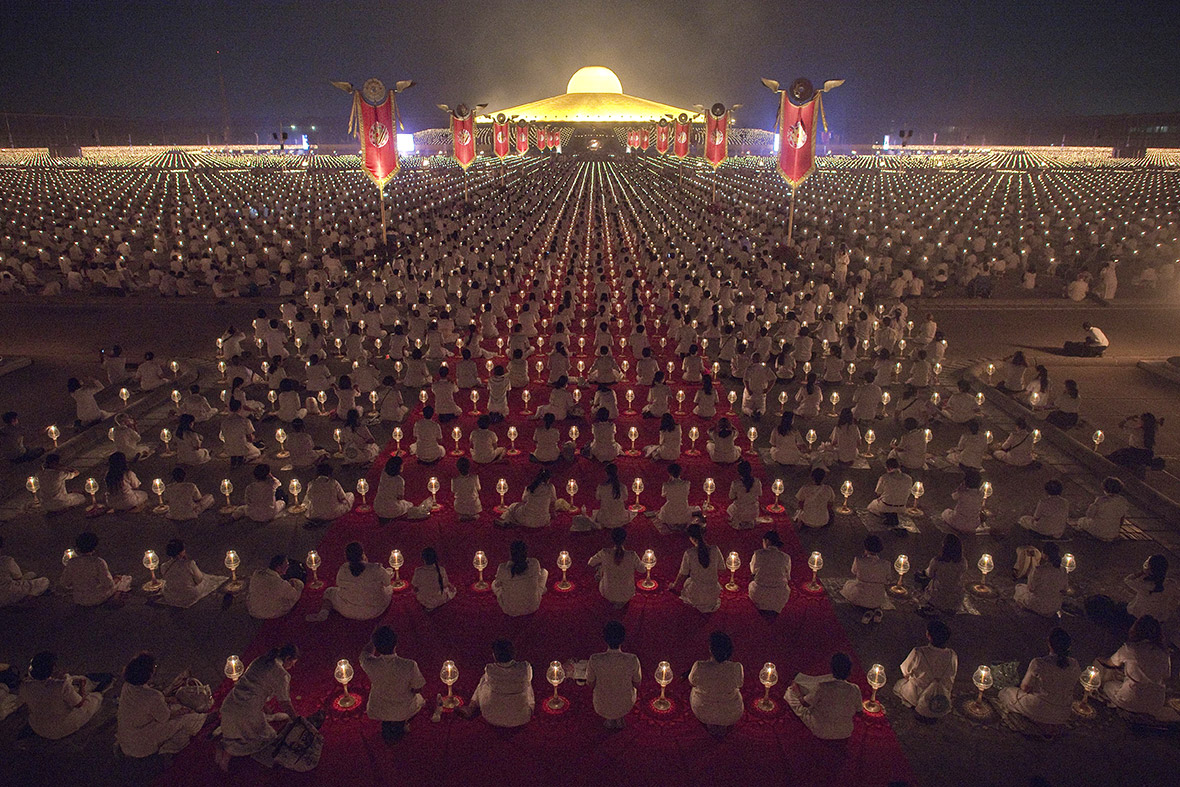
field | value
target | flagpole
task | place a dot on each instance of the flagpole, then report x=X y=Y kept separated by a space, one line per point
x=384 y=238
x=791 y=221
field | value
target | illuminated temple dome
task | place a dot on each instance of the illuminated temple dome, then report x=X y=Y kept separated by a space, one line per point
x=594 y=95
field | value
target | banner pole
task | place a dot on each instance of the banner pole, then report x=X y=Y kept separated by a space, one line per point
x=791 y=221
x=384 y=238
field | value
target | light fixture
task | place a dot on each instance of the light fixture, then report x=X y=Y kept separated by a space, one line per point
x=1097 y=438
x=768 y=677
x=232 y=561
x=663 y=677
x=815 y=562
x=564 y=562
x=637 y=488
x=1091 y=681
x=480 y=561
x=649 y=561
x=1069 y=564
x=985 y=566
x=846 y=490
x=876 y=679
x=151 y=562
x=710 y=486
x=433 y=486
x=916 y=492
x=449 y=674
x=53 y=432
x=556 y=676
x=91 y=487
x=344 y=674
x=33 y=484
x=396 y=561
x=313 y=563
x=295 y=487
x=901 y=565
x=158 y=490
x=571 y=488
x=281 y=438
x=977 y=708
x=234 y=669
x=227 y=489
x=733 y=562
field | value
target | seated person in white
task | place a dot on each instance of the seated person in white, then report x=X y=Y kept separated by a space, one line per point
x=431 y=585
x=614 y=677
x=1155 y=593
x=237 y=434
x=262 y=501
x=290 y=403
x=391 y=406
x=961 y=406
x=1136 y=675
x=395 y=683
x=722 y=444
x=966 y=516
x=910 y=448
x=893 y=492
x=827 y=704
x=185 y=502
x=785 y=447
x=389 y=503
x=147 y=722
x=127 y=439
x=866 y=590
x=606 y=399
x=188 y=444
x=1046 y=579
x=88 y=411
x=616 y=568
x=86 y=576
x=359 y=446
x=547 y=441
x=1105 y=515
x=770 y=571
x=603 y=447
x=17 y=585
x=483 y=443
x=1046 y=693
x=815 y=501
x=675 y=513
x=427 y=445
x=1017 y=448
x=59 y=704
x=302 y=447
x=612 y=505
x=668 y=447
x=520 y=582
x=245 y=722
x=465 y=487
x=1051 y=514
x=844 y=441
x=716 y=696
x=535 y=508
x=53 y=477
x=184 y=583
x=363 y=590
x=972 y=447
x=745 y=492
x=270 y=595
x=326 y=499
x=699 y=568
x=504 y=695
x=195 y=404
x=942 y=579
x=928 y=674
x=122 y=485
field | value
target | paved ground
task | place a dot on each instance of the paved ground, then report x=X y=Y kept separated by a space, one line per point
x=62 y=338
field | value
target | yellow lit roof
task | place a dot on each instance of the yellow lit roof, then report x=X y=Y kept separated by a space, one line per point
x=594 y=95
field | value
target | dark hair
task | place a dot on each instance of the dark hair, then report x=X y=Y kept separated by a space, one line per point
x=818 y=474
x=773 y=538
x=720 y=646
x=116 y=470
x=280 y=653
x=612 y=478
x=1052 y=553
x=393 y=467
x=277 y=561
x=384 y=640
x=938 y=632
x=873 y=544
x=614 y=633
x=1157 y=572
x=430 y=558
x=618 y=537
x=1150 y=424
x=845 y=417
x=542 y=477
x=86 y=542
x=841 y=666
x=42 y=664
x=1112 y=486
x=178 y=474
x=354 y=553
x=1054 y=487
x=971 y=478
x=463 y=465
x=952 y=549
x=1059 y=643
x=261 y=472
x=174 y=548
x=518 y=553
x=745 y=475
x=140 y=669
x=696 y=533
x=503 y=651
x=1147 y=629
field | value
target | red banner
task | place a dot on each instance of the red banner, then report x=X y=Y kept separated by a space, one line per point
x=716 y=137
x=542 y=139
x=663 y=137
x=378 y=139
x=501 y=139
x=683 y=136
x=632 y=139
x=797 y=133
x=522 y=139
x=463 y=130
x=644 y=142
x=555 y=139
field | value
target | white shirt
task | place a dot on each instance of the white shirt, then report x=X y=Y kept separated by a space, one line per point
x=617 y=579
x=716 y=692
x=270 y=596
x=394 y=682
x=505 y=694
x=613 y=675
x=521 y=594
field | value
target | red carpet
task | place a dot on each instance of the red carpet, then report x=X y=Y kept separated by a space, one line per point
x=573 y=747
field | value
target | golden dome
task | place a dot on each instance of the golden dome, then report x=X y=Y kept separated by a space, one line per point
x=594 y=79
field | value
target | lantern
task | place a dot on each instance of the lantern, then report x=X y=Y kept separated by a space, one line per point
x=731 y=397
x=870 y=438
x=525 y=396
x=916 y=492
x=637 y=488
x=811 y=437
x=313 y=563
x=733 y=562
x=397 y=441
x=396 y=561
x=876 y=679
x=456 y=434
x=752 y=435
x=571 y=488
x=630 y=397
x=1069 y=564
x=53 y=432
x=710 y=486
x=343 y=675
x=663 y=677
x=834 y=399
x=649 y=561
x=124 y=394
x=901 y=565
x=338 y=436
x=480 y=562
x=158 y=489
x=232 y=561
x=449 y=674
x=151 y=562
x=294 y=487
x=362 y=489
x=815 y=562
x=977 y=708
x=91 y=487
x=556 y=676
x=985 y=566
x=475 y=401
x=777 y=488
x=512 y=435
x=281 y=439
x=1091 y=681
x=33 y=484
x=234 y=668
x=564 y=563
x=680 y=402
x=1097 y=438
x=846 y=490
x=768 y=677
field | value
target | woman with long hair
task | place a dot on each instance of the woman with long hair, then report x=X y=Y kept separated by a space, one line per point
x=942 y=579
x=520 y=582
x=363 y=590
x=1136 y=675
x=616 y=567
x=1045 y=694
x=245 y=724
x=122 y=485
x=716 y=697
x=699 y=569
x=431 y=585
x=745 y=491
x=535 y=508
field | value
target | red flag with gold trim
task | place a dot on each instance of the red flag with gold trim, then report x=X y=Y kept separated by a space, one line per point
x=663 y=137
x=716 y=135
x=683 y=135
x=522 y=139
x=501 y=136
x=463 y=130
x=644 y=141
x=797 y=133
x=554 y=139
x=374 y=122
x=542 y=139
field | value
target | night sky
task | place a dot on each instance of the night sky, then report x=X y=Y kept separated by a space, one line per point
x=911 y=64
